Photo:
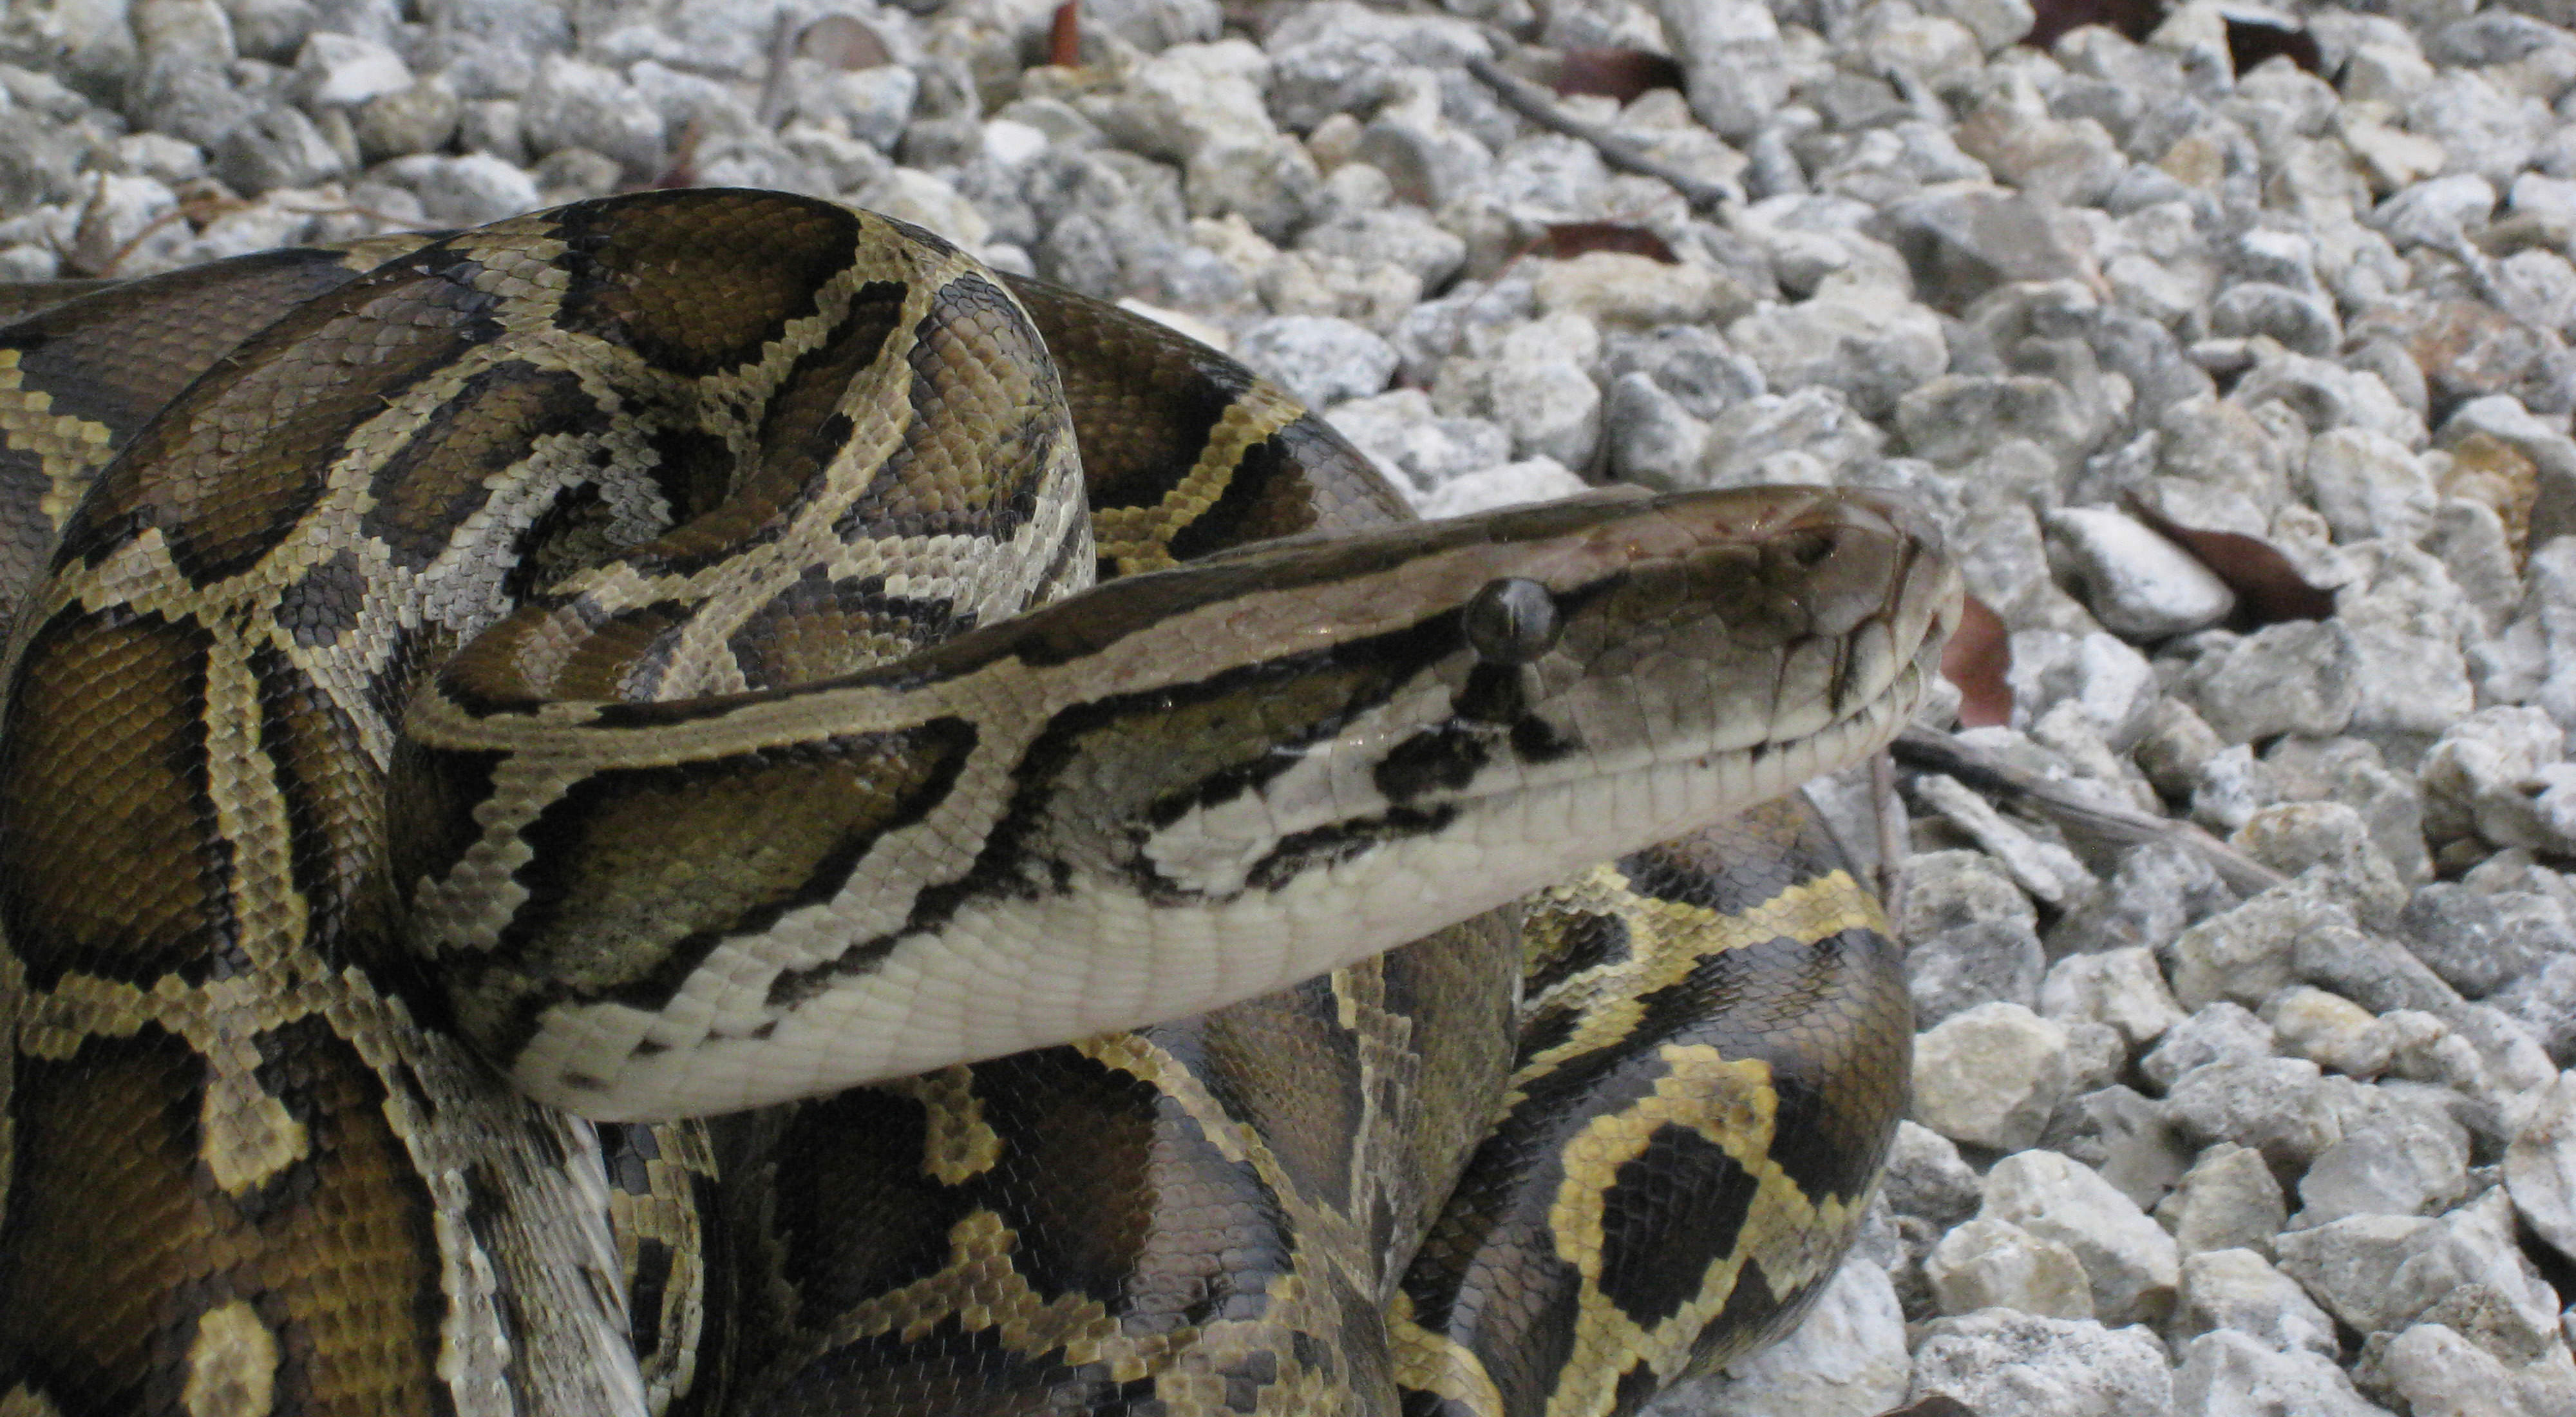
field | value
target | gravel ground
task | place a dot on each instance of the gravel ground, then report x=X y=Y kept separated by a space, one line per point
x=2245 y=392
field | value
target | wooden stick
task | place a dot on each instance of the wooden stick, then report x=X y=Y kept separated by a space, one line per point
x=1535 y=104
x=1928 y=750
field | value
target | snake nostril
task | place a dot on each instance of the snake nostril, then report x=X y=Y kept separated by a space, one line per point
x=1511 y=621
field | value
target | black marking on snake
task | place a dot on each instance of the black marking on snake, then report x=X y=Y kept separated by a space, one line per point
x=1248 y=492
x=1494 y=694
x=571 y=519
x=1301 y=852
x=440 y=477
x=854 y=1212
x=800 y=432
x=1396 y=658
x=841 y=796
x=799 y=426
x=1195 y=410
x=1442 y=759
x=1498 y=695
x=922 y=236
x=1751 y=1301
x=1545 y=1030
x=1008 y=865
x=764 y=643
x=627 y=1151
x=1093 y=622
x=1527 y=1352
x=308 y=741
x=1847 y=667
x=1819 y=1141
x=318 y=609
x=1635 y=1388
x=1672 y=1211
x=290 y=1056
x=616 y=251
x=1586 y=940
x=548 y=1148
x=693 y=468
x=431 y=811
x=895 y=502
x=1223 y=784
x=405 y=1079
x=652 y=1279
x=1065 y=1115
x=1059 y=566
x=1536 y=741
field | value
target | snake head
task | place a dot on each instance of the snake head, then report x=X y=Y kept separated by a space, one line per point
x=1521 y=692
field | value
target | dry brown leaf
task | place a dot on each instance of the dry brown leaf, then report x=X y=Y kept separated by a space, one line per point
x=2251 y=41
x=2268 y=586
x=1064 y=38
x=2052 y=20
x=1621 y=74
x=1979 y=660
x=1566 y=240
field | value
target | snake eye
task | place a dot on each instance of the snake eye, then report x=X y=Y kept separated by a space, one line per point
x=1511 y=621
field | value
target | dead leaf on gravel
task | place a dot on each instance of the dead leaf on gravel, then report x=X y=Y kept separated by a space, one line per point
x=1566 y=240
x=2269 y=588
x=1621 y=74
x=1064 y=37
x=2054 y=19
x=2250 y=41
x=1979 y=660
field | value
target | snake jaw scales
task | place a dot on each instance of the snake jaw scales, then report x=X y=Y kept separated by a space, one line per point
x=721 y=809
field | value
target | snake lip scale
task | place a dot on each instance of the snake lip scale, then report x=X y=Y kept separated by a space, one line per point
x=641 y=660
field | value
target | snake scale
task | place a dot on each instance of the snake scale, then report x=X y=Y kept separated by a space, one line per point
x=633 y=662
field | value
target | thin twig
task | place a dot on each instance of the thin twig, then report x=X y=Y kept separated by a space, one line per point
x=1889 y=811
x=773 y=85
x=1535 y=104
x=1927 y=750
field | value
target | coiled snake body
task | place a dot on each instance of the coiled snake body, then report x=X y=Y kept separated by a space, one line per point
x=640 y=649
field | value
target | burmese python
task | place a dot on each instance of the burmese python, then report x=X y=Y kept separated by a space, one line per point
x=707 y=798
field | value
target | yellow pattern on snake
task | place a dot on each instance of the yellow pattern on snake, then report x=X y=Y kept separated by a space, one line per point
x=634 y=662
